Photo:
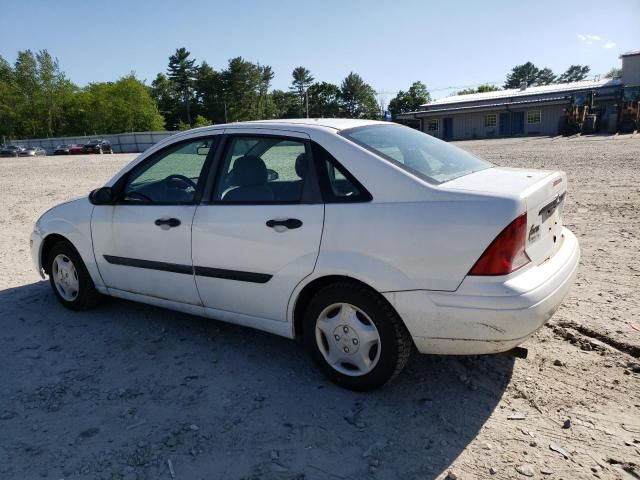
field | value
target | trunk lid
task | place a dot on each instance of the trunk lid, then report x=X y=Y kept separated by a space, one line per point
x=542 y=193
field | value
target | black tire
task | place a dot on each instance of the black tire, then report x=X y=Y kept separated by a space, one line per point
x=87 y=296
x=395 y=342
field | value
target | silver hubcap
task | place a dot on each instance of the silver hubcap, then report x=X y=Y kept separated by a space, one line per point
x=348 y=339
x=65 y=277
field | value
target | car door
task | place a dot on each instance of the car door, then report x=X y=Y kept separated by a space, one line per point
x=258 y=235
x=142 y=244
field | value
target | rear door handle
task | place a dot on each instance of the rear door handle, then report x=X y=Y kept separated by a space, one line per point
x=170 y=222
x=289 y=223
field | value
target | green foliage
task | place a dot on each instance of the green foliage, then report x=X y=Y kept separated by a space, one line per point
x=201 y=121
x=302 y=80
x=324 y=100
x=409 y=101
x=574 y=73
x=486 y=87
x=358 y=99
x=167 y=100
x=115 y=107
x=530 y=74
x=614 y=73
x=182 y=73
x=286 y=104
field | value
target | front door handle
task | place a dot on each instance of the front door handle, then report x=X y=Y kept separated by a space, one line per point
x=289 y=223
x=170 y=222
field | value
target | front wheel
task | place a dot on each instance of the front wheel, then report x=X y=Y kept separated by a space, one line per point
x=70 y=279
x=355 y=337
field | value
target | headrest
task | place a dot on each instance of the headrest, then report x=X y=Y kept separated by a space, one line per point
x=249 y=170
x=302 y=165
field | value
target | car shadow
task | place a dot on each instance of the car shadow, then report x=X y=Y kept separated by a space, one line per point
x=125 y=388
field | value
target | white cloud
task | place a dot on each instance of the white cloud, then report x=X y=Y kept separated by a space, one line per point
x=609 y=44
x=589 y=38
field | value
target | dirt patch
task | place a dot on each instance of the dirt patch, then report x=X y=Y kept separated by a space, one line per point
x=129 y=391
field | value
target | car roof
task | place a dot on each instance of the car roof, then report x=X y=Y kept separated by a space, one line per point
x=298 y=123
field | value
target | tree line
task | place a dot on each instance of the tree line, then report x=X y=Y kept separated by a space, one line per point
x=190 y=94
x=38 y=100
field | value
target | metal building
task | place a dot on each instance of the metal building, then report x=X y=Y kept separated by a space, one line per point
x=525 y=111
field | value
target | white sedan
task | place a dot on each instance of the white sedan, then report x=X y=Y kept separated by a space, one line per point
x=362 y=238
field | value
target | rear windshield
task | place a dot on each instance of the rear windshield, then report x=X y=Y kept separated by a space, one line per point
x=423 y=155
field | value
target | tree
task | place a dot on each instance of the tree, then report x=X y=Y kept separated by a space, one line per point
x=167 y=100
x=26 y=87
x=182 y=72
x=358 y=99
x=265 y=106
x=614 y=73
x=545 y=77
x=530 y=74
x=409 y=101
x=574 y=73
x=209 y=93
x=7 y=100
x=242 y=81
x=115 y=107
x=324 y=100
x=485 y=87
x=285 y=104
x=302 y=79
x=201 y=121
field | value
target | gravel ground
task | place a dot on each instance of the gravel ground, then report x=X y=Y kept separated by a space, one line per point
x=129 y=391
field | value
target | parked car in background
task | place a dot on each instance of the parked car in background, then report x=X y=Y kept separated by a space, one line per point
x=11 y=151
x=62 y=150
x=364 y=239
x=98 y=146
x=33 y=152
x=76 y=149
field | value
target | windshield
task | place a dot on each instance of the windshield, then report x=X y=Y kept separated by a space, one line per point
x=423 y=155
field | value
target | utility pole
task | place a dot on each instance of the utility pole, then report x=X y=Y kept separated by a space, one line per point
x=306 y=96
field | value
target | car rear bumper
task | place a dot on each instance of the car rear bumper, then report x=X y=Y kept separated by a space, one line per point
x=489 y=314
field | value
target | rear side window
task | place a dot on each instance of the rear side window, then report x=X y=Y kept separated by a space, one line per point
x=420 y=154
x=337 y=185
x=262 y=169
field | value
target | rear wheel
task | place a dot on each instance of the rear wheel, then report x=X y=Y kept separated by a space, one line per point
x=355 y=337
x=70 y=279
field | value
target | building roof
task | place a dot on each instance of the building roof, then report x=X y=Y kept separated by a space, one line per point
x=630 y=54
x=515 y=94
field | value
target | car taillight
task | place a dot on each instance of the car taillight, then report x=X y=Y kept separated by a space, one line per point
x=506 y=253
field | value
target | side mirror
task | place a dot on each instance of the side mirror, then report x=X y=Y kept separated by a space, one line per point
x=272 y=175
x=102 y=196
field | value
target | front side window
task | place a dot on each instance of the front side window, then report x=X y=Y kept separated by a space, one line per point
x=171 y=176
x=533 y=116
x=433 y=125
x=416 y=152
x=490 y=120
x=263 y=169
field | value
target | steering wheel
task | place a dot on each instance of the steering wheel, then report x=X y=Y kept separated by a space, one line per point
x=133 y=193
x=181 y=179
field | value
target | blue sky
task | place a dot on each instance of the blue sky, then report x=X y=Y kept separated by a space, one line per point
x=389 y=43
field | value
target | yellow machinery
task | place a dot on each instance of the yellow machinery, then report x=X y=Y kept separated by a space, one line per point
x=629 y=110
x=577 y=116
